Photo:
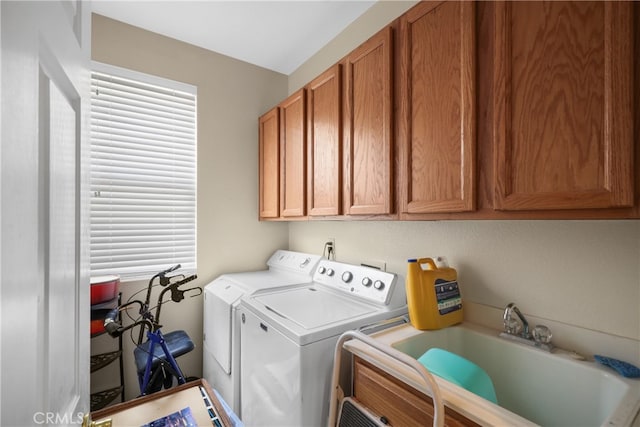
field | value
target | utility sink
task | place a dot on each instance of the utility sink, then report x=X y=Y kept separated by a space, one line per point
x=533 y=387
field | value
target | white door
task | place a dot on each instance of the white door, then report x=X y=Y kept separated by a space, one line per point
x=44 y=291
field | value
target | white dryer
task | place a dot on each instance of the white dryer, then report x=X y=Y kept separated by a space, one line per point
x=221 y=349
x=289 y=337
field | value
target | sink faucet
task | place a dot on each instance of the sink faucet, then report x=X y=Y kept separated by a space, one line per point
x=509 y=322
x=540 y=338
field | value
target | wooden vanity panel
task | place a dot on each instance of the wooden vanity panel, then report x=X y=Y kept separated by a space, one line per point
x=399 y=403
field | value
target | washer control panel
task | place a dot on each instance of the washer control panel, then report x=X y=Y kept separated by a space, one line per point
x=364 y=282
x=296 y=262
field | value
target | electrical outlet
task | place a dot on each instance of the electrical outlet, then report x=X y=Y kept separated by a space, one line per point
x=330 y=246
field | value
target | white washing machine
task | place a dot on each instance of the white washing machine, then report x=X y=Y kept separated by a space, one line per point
x=289 y=336
x=221 y=349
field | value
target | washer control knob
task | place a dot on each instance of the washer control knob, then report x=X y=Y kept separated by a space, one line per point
x=330 y=272
x=379 y=285
x=321 y=270
x=347 y=276
x=367 y=282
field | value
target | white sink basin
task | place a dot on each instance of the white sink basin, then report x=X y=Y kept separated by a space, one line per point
x=532 y=386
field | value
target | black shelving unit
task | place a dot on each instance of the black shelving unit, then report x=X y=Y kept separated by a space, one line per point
x=99 y=361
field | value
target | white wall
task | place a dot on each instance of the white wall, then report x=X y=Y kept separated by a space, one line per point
x=581 y=278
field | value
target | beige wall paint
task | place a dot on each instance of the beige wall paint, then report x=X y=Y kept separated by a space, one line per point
x=560 y=273
x=577 y=276
x=231 y=96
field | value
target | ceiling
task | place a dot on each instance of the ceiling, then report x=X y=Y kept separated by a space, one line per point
x=277 y=35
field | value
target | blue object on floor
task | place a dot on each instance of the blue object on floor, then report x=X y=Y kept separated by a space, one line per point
x=625 y=369
x=460 y=371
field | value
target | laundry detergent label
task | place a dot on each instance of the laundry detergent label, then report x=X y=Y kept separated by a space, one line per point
x=448 y=296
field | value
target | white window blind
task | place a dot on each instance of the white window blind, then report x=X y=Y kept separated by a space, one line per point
x=143 y=174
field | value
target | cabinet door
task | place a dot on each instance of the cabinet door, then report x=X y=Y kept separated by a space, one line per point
x=400 y=404
x=324 y=144
x=437 y=108
x=293 y=156
x=268 y=167
x=368 y=135
x=562 y=105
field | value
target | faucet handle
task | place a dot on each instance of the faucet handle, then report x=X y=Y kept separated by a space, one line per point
x=542 y=334
x=512 y=326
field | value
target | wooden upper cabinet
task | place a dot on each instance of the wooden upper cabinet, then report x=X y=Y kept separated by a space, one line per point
x=563 y=125
x=324 y=136
x=293 y=156
x=269 y=164
x=368 y=128
x=437 y=108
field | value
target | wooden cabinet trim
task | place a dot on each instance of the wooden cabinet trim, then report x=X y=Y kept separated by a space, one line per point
x=618 y=95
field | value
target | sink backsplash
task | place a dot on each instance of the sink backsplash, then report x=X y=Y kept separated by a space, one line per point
x=585 y=342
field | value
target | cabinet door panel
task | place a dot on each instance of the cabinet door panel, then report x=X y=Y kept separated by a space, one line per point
x=324 y=144
x=562 y=104
x=437 y=119
x=400 y=404
x=293 y=156
x=368 y=127
x=269 y=164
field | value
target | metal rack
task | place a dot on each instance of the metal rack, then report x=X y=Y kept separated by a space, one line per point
x=102 y=398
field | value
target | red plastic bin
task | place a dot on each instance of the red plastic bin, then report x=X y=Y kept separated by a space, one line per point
x=104 y=288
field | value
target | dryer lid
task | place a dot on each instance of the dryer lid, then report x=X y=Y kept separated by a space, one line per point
x=311 y=307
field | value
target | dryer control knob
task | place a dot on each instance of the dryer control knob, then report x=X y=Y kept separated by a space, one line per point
x=367 y=282
x=330 y=272
x=379 y=285
x=347 y=276
x=321 y=270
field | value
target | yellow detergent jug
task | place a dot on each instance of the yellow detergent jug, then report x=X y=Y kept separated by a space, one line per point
x=433 y=295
